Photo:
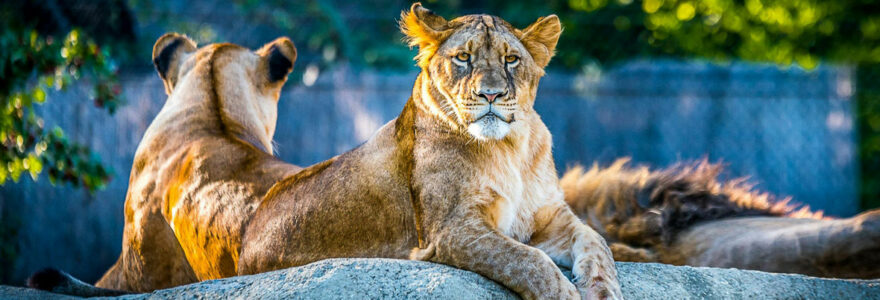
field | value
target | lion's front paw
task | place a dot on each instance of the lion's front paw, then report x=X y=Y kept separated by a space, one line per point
x=560 y=289
x=600 y=288
x=597 y=279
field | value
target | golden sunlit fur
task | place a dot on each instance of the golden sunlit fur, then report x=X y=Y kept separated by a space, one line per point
x=201 y=169
x=683 y=215
x=464 y=176
x=203 y=165
x=417 y=33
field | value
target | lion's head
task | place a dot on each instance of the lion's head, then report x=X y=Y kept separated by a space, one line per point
x=481 y=73
x=241 y=86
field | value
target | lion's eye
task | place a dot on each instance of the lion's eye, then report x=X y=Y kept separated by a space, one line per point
x=511 y=59
x=463 y=57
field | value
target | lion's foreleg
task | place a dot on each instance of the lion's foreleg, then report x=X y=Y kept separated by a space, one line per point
x=572 y=244
x=113 y=278
x=467 y=241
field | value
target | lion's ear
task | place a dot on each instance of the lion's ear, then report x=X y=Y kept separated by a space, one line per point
x=280 y=55
x=168 y=52
x=424 y=29
x=540 y=39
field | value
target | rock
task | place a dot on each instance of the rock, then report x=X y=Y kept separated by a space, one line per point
x=659 y=281
x=17 y=293
x=398 y=279
x=349 y=279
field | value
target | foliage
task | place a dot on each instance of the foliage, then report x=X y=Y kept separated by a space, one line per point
x=785 y=32
x=782 y=32
x=33 y=66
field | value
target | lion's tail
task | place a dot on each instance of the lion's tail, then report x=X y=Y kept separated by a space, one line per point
x=59 y=282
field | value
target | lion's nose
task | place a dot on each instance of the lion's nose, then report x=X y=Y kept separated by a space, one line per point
x=490 y=95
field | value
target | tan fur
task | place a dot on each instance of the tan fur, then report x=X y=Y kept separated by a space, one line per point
x=202 y=167
x=540 y=38
x=430 y=185
x=724 y=224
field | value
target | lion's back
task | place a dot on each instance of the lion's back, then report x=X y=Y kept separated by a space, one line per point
x=353 y=205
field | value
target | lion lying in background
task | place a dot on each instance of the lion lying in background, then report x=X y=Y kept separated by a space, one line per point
x=682 y=215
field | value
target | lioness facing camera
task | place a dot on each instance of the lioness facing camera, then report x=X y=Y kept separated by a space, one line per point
x=463 y=176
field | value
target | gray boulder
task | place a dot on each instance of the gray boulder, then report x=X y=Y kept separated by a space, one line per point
x=399 y=279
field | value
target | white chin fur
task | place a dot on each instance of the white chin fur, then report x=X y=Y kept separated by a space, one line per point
x=489 y=128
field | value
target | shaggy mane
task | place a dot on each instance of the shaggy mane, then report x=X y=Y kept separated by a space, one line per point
x=644 y=207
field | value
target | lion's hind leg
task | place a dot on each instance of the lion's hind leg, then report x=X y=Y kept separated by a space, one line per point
x=840 y=248
x=151 y=258
x=856 y=251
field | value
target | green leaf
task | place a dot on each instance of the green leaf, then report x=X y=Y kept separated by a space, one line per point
x=34 y=166
x=15 y=168
x=39 y=95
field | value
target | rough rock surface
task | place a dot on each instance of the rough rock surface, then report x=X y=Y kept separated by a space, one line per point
x=397 y=279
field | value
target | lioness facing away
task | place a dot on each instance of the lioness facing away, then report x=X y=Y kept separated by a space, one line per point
x=463 y=176
x=201 y=169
